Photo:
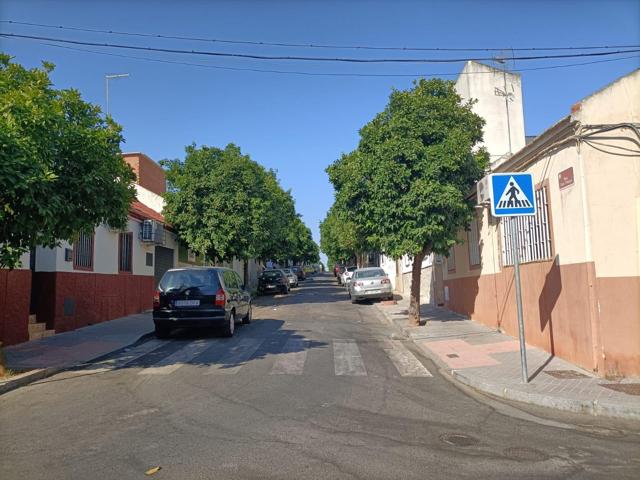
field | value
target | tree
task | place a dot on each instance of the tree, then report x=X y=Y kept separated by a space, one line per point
x=61 y=169
x=339 y=237
x=219 y=202
x=407 y=183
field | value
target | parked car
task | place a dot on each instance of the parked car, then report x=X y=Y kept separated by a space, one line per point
x=370 y=282
x=346 y=275
x=293 y=278
x=273 y=281
x=200 y=297
x=299 y=271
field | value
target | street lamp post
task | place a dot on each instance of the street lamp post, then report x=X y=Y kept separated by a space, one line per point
x=106 y=85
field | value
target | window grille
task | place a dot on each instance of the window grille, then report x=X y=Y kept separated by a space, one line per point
x=83 y=252
x=473 y=239
x=451 y=259
x=125 y=252
x=534 y=233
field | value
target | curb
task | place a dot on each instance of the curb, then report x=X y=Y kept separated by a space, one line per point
x=31 y=376
x=591 y=407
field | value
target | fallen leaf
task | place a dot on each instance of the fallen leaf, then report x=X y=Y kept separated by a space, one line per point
x=152 y=471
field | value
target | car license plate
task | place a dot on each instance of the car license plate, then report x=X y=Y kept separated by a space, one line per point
x=271 y=286
x=374 y=291
x=187 y=303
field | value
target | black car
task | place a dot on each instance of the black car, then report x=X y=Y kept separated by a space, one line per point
x=200 y=297
x=273 y=281
x=299 y=271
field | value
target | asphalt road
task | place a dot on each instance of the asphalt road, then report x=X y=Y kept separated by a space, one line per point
x=314 y=388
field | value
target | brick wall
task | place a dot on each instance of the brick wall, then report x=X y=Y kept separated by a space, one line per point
x=15 y=291
x=70 y=300
x=149 y=174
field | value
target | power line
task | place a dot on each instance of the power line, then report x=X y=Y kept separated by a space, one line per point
x=312 y=59
x=325 y=74
x=307 y=45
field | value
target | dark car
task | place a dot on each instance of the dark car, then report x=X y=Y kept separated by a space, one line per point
x=299 y=271
x=200 y=297
x=273 y=281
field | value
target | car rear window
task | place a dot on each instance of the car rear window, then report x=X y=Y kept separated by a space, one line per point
x=206 y=280
x=271 y=275
x=370 y=273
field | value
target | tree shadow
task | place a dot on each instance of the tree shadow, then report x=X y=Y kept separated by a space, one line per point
x=261 y=339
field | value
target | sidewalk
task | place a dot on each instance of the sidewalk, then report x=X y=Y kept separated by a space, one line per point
x=48 y=356
x=489 y=361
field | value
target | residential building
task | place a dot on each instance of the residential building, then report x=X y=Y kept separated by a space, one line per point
x=580 y=254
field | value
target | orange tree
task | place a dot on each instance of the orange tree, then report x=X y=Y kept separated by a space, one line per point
x=406 y=184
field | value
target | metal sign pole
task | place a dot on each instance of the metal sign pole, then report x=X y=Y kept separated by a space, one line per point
x=516 y=268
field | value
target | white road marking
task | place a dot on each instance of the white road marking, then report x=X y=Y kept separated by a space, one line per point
x=291 y=360
x=126 y=357
x=405 y=362
x=177 y=359
x=347 y=359
x=234 y=359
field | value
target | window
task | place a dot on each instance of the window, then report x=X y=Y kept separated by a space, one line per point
x=149 y=260
x=473 y=241
x=83 y=252
x=534 y=233
x=125 y=250
x=451 y=259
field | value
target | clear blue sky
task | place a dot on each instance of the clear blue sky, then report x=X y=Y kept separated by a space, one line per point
x=300 y=124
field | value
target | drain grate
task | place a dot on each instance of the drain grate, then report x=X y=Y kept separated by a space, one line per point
x=628 y=388
x=525 y=454
x=566 y=374
x=459 y=439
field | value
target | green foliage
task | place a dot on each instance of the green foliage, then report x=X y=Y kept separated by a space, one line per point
x=225 y=205
x=339 y=237
x=61 y=169
x=406 y=185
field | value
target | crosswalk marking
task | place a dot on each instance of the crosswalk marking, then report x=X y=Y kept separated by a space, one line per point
x=126 y=357
x=233 y=360
x=347 y=359
x=177 y=359
x=405 y=362
x=291 y=360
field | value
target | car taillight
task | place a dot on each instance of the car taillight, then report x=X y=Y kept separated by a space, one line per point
x=221 y=298
x=156 y=299
x=385 y=280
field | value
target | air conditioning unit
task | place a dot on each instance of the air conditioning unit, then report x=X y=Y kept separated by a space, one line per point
x=152 y=232
x=484 y=191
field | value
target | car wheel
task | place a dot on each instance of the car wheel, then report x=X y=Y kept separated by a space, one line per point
x=354 y=300
x=163 y=332
x=230 y=327
x=247 y=318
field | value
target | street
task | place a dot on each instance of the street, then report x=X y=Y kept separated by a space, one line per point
x=314 y=387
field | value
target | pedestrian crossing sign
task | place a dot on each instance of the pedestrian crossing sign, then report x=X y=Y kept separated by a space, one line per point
x=512 y=194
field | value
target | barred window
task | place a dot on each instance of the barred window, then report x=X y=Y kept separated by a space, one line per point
x=83 y=252
x=473 y=240
x=125 y=251
x=451 y=259
x=534 y=233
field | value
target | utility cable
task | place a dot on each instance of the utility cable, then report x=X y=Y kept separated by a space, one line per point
x=324 y=74
x=312 y=59
x=307 y=45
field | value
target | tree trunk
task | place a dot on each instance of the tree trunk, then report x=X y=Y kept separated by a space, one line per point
x=414 y=299
x=246 y=273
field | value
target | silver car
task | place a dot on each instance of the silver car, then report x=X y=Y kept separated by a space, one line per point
x=291 y=275
x=370 y=282
x=346 y=276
